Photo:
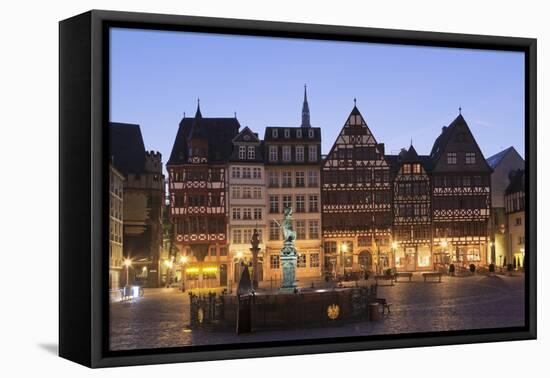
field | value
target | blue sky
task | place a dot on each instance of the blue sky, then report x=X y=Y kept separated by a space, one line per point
x=403 y=92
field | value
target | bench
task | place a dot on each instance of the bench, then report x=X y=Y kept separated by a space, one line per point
x=385 y=305
x=408 y=275
x=432 y=274
x=384 y=277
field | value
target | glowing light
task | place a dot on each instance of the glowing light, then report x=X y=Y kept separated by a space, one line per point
x=394 y=245
x=127 y=263
x=144 y=269
x=522 y=250
x=239 y=255
x=135 y=291
x=168 y=263
x=183 y=259
x=210 y=269
x=444 y=243
x=192 y=270
x=344 y=247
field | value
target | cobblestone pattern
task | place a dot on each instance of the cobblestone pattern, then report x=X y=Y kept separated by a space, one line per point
x=160 y=318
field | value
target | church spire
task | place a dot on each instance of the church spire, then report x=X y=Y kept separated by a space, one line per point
x=305 y=110
x=198 y=114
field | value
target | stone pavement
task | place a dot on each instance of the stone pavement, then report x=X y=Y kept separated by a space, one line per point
x=159 y=318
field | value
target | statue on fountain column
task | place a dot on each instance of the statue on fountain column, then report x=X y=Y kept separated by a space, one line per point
x=288 y=252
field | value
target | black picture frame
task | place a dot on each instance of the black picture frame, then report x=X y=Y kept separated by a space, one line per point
x=83 y=166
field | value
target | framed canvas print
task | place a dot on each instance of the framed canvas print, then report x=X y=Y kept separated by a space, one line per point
x=234 y=188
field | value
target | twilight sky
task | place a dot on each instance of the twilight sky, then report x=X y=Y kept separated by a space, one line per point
x=402 y=92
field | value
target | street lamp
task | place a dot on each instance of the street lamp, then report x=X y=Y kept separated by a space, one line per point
x=183 y=262
x=127 y=264
x=343 y=249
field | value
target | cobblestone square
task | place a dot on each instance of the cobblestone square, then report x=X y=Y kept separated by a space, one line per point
x=160 y=318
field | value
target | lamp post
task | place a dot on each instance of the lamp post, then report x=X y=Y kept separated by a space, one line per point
x=183 y=262
x=394 y=246
x=343 y=249
x=255 y=242
x=127 y=264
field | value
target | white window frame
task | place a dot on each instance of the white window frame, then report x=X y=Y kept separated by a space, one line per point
x=287 y=154
x=312 y=153
x=300 y=153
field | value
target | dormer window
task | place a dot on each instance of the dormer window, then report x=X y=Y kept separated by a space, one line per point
x=275 y=133
x=287 y=133
x=311 y=133
x=242 y=152
x=298 y=133
x=251 y=153
x=451 y=158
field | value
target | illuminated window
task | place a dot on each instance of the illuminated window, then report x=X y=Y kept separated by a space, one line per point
x=301 y=261
x=274 y=262
x=417 y=168
x=313 y=260
x=406 y=169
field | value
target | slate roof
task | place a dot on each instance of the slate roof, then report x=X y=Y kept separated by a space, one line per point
x=495 y=160
x=444 y=137
x=517 y=182
x=218 y=131
x=126 y=147
x=407 y=156
x=268 y=136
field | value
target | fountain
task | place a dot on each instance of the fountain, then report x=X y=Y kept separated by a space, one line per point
x=288 y=253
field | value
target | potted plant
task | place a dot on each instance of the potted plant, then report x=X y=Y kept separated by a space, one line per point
x=472 y=268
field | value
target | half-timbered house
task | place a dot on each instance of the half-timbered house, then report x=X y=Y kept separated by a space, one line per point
x=197 y=186
x=412 y=226
x=461 y=197
x=356 y=200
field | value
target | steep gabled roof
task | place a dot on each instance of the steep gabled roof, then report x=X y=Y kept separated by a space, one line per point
x=497 y=158
x=517 y=182
x=126 y=147
x=450 y=137
x=218 y=131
